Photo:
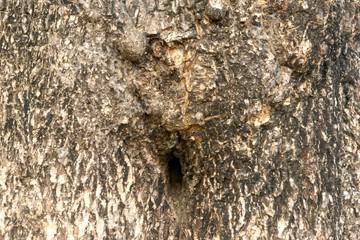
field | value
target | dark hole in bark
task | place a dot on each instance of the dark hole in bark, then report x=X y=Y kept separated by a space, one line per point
x=174 y=170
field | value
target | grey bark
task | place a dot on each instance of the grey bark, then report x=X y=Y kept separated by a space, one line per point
x=186 y=119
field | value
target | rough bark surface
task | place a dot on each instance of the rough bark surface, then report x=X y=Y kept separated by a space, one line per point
x=184 y=119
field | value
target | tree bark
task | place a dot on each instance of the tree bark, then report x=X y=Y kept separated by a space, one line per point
x=186 y=119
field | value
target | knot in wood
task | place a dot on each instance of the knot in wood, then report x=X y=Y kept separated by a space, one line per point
x=132 y=45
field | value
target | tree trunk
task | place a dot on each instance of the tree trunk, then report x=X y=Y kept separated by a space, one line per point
x=185 y=119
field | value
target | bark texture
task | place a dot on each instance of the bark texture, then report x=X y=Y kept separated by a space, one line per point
x=184 y=119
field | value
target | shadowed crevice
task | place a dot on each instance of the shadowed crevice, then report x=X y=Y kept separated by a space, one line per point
x=174 y=170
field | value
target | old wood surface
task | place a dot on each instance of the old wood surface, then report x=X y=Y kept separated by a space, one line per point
x=184 y=119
